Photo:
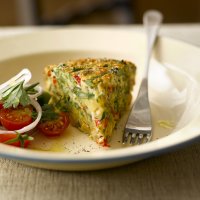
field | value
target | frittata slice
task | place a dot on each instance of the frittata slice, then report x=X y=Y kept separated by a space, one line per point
x=95 y=92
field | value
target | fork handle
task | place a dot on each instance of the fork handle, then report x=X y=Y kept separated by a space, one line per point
x=151 y=20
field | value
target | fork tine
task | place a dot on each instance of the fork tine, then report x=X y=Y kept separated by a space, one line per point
x=133 y=138
x=140 y=138
x=136 y=136
x=125 y=137
x=145 y=140
x=149 y=137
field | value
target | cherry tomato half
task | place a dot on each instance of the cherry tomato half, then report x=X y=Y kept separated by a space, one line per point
x=16 y=118
x=54 y=127
x=1 y=105
x=7 y=137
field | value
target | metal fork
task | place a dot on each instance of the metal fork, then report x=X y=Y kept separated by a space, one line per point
x=139 y=124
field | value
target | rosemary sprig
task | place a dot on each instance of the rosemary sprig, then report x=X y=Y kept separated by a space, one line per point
x=17 y=94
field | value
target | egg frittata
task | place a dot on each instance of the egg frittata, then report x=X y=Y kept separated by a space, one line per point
x=95 y=93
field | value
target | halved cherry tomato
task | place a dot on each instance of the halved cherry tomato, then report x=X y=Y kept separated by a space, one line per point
x=16 y=118
x=1 y=105
x=54 y=127
x=14 y=137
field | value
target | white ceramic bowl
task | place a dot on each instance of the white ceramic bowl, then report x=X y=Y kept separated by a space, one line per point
x=174 y=94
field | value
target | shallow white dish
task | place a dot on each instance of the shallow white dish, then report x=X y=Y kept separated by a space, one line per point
x=174 y=94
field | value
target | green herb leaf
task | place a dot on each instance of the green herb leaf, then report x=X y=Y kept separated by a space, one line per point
x=21 y=138
x=31 y=88
x=89 y=82
x=82 y=95
x=44 y=98
x=48 y=113
x=17 y=94
x=76 y=69
x=60 y=104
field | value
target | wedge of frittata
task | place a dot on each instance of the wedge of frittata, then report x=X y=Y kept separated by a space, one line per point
x=95 y=93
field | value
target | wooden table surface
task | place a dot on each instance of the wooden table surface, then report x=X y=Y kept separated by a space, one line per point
x=175 y=175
